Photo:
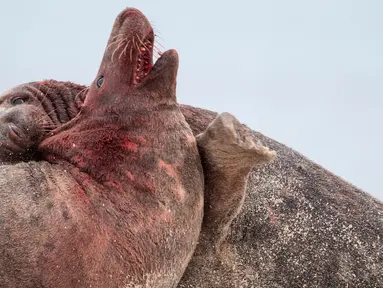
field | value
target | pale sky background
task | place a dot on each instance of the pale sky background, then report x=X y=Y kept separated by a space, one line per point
x=306 y=73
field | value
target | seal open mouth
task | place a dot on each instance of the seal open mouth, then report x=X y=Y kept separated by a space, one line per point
x=144 y=60
x=128 y=56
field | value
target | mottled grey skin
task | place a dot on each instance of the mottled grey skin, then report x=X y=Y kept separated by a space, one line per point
x=300 y=226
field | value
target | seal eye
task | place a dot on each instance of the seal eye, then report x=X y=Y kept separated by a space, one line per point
x=17 y=101
x=100 y=81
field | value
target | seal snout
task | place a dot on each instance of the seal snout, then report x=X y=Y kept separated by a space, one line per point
x=130 y=12
x=131 y=43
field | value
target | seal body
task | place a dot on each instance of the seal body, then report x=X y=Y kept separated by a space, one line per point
x=122 y=205
x=299 y=226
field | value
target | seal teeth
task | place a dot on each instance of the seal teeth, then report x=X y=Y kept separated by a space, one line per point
x=144 y=61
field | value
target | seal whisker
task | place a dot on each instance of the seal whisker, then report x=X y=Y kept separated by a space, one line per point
x=124 y=50
x=85 y=90
x=114 y=41
x=44 y=94
x=158 y=42
x=114 y=37
x=137 y=47
x=157 y=51
x=156 y=48
x=131 y=50
x=156 y=31
x=42 y=117
x=47 y=125
x=131 y=54
x=47 y=129
x=143 y=44
x=118 y=47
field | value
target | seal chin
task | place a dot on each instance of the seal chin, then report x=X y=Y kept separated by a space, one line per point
x=163 y=75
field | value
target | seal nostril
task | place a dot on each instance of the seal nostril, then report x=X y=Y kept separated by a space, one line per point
x=14 y=130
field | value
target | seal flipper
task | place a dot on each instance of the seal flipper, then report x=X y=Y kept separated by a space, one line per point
x=228 y=154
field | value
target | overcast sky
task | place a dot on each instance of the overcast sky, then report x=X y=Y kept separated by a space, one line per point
x=306 y=73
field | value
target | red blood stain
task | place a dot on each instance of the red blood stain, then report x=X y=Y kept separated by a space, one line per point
x=107 y=138
x=166 y=216
x=128 y=144
x=170 y=169
x=82 y=194
x=180 y=192
x=79 y=160
x=130 y=176
x=115 y=184
x=148 y=184
x=141 y=140
x=51 y=158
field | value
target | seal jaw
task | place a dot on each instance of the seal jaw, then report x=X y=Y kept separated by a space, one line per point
x=163 y=76
x=129 y=52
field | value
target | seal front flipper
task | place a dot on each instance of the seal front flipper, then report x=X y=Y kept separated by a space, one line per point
x=228 y=153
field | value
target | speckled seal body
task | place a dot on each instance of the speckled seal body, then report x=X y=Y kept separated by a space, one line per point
x=299 y=226
x=122 y=203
